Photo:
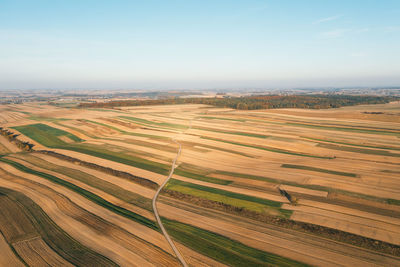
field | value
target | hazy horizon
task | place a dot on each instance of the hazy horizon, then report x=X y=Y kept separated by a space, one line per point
x=198 y=44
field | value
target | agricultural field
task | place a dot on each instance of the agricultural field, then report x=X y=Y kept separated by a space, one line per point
x=285 y=187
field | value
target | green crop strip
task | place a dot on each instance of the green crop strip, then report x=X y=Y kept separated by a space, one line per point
x=223 y=249
x=308 y=168
x=45 y=134
x=89 y=195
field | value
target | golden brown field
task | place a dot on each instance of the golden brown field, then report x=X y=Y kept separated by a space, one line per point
x=280 y=187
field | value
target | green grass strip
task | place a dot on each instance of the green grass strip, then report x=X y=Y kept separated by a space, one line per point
x=223 y=249
x=308 y=168
x=89 y=195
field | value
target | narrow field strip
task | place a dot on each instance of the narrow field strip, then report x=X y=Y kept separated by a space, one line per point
x=221 y=118
x=43 y=134
x=125 y=183
x=55 y=237
x=314 y=169
x=354 y=212
x=359 y=150
x=270 y=149
x=190 y=174
x=222 y=248
x=153 y=123
x=128 y=132
x=316 y=249
x=319 y=188
x=347 y=225
x=347 y=129
x=327 y=127
x=120 y=239
x=191 y=144
x=75 y=130
x=350 y=144
x=262 y=136
x=121 y=174
x=240 y=201
x=92 y=181
x=93 y=197
x=137 y=162
x=115 y=200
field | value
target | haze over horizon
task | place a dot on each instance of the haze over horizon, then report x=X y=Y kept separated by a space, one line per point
x=198 y=44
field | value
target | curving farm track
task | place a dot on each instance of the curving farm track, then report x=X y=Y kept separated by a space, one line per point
x=171 y=243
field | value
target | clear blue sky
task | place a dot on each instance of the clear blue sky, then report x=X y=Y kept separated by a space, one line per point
x=198 y=44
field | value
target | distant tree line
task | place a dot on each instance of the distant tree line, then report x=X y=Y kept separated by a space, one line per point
x=256 y=102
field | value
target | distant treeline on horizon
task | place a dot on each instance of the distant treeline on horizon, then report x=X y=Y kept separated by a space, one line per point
x=256 y=102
